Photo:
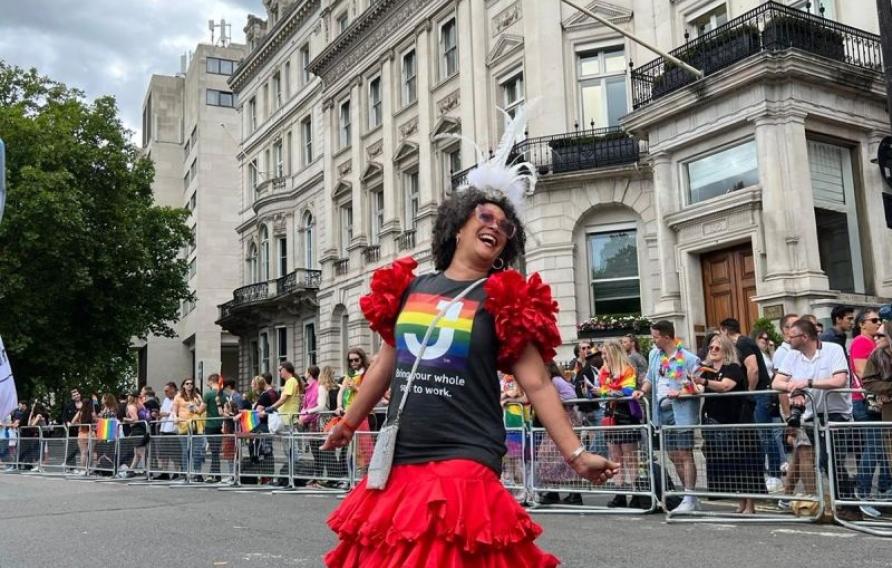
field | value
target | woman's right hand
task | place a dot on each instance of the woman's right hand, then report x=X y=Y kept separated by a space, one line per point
x=339 y=437
x=595 y=468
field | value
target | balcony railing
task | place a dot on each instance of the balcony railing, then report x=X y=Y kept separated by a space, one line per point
x=251 y=293
x=573 y=151
x=341 y=266
x=769 y=28
x=372 y=253
x=300 y=279
x=406 y=240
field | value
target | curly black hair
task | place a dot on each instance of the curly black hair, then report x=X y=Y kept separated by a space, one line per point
x=453 y=213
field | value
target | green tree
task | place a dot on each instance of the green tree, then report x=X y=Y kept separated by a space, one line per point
x=87 y=262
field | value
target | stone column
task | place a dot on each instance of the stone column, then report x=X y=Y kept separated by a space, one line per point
x=391 y=93
x=544 y=66
x=360 y=219
x=466 y=82
x=666 y=200
x=328 y=215
x=792 y=262
x=426 y=205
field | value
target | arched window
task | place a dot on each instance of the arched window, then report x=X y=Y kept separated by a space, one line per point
x=264 y=253
x=308 y=228
x=251 y=264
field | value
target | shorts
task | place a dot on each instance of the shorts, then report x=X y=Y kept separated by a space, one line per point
x=674 y=440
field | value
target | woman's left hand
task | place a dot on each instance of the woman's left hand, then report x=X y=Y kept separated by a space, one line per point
x=595 y=468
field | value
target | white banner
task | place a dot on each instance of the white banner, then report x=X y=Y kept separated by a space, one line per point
x=8 y=398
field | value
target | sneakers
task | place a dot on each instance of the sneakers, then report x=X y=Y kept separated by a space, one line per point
x=549 y=499
x=783 y=505
x=774 y=485
x=869 y=511
x=618 y=502
x=573 y=499
x=688 y=505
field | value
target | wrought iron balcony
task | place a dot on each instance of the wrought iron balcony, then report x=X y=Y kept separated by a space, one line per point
x=406 y=240
x=771 y=27
x=300 y=279
x=341 y=266
x=579 y=150
x=372 y=253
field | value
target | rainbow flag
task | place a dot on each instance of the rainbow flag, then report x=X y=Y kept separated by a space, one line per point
x=107 y=429
x=450 y=340
x=248 y=420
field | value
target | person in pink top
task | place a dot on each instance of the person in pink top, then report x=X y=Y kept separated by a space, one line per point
x=873 y=455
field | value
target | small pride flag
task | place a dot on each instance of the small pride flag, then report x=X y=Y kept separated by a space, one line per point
x=107 y=429
x=248 y=420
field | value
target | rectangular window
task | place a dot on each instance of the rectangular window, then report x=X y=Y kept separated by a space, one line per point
x=147 y=122
x=410 y=188
x=451 y=166
x=277 y=90
x=220 y=98
x=186 y=180
x=266 y=108
x=449 y=46
x=282 y=344
x=344 y=124
x=310 y=344
x=375 y=114
x=252 y=114
x=346 y=228
x=836 y=216
x=264 y=352
x=193 y=169
x=342 y=22
x=282 y=250
x=287 y=73
x=193 y=201
x=306 y=134
x=219 y=66
x=613 y=269
x=709 y=21
x=278 y=159
x=253 y=174
x=602 y=87
x=305 y=64
x=192 y=269
x=255 y=358
x=187 y=147
x=723 y=172
x=816 y=7
x=377 y=214
x=410 y=70
x=289 y=153
x=512 y=94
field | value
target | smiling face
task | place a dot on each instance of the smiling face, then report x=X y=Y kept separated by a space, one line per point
x=484 y=235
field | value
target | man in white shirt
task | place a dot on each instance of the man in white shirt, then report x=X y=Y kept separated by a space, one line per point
x=165 y=449
x=816 y=368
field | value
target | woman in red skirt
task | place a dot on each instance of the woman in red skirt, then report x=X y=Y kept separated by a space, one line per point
x=444 y=505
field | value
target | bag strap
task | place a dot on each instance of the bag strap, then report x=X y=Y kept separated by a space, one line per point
x=427 y=335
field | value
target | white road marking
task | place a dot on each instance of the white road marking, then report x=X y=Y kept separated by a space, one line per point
x=813 y=533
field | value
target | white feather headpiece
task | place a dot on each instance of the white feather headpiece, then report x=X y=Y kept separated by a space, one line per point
x=514 y=180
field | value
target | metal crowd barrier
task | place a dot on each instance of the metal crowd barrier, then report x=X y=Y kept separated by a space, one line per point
x=311 y=469
x=858 y=467
x=729 y=465
x=9 y=450
x=167 y=448
x=631 y=444
x=53 y=450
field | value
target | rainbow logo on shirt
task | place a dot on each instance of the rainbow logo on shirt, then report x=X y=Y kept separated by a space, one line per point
x=450 y=339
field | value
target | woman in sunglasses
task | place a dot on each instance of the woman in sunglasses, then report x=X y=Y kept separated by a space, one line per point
x=866 y=409
x=443 y=503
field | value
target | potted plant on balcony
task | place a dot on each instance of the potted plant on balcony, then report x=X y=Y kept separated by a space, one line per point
x=719 y=49
x=590 y=150
x=612 y=325
x=806 y=33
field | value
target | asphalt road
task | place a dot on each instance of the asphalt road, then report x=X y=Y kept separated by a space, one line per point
x=50 y=522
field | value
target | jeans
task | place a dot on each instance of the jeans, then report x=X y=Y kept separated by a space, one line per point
x=215 y=443
x=772 y=440
x=873 y=453
x=197 y=453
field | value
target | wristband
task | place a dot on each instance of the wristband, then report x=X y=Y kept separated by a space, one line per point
x=575 y=455
x=347 y=425
x=811 y=383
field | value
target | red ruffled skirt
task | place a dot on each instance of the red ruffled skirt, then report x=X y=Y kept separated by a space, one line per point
x=448 y=514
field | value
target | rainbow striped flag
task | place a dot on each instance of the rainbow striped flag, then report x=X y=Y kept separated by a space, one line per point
x=107 y=429
x=248 y=420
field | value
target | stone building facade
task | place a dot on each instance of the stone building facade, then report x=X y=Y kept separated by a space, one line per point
x=190 y=132
x=747 y=193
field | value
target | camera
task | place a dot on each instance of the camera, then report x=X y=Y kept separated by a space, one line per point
x=795 y=418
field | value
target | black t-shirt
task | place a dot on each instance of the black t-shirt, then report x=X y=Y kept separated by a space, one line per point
x=730 y=409
x=746 y=346
x=453 y=411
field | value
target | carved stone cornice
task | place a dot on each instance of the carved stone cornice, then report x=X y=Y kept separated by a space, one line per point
x=507 y=18
x=365 y=35
x=291 y=21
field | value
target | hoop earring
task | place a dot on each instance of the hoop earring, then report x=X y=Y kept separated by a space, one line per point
x=499 y=264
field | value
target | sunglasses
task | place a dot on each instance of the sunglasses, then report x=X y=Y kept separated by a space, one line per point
x=873 y=320
x=487 y=217
x=715 y=348
x=187 y=384
x=352 y=360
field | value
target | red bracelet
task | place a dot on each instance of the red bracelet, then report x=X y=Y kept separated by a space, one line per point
x=347 y=425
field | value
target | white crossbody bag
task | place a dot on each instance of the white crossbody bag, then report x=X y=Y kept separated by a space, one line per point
x=382 y=457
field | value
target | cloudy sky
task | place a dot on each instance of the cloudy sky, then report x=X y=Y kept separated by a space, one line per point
x=112 y=47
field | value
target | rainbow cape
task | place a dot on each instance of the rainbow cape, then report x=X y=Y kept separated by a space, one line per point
x=248 y=420
x=107 y=429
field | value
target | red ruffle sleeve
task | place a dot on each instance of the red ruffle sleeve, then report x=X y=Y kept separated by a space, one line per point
x=524 y=313
x=381 y=305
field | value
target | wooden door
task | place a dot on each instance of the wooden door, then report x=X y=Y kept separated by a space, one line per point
x=729 y=281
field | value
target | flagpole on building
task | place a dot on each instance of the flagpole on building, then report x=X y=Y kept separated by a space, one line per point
x=692 y=70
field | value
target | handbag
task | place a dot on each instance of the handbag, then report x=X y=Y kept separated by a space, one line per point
x=385 y=446
x=275 y=423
